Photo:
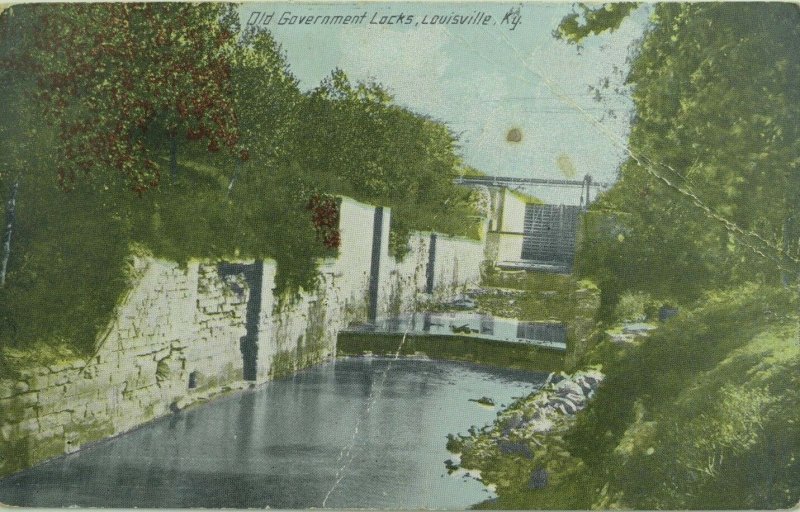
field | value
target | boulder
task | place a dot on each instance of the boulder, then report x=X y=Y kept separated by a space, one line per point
x=568 y=387
x=538 y=479
x=540 y=426
x=511 y=448
x=564 y=405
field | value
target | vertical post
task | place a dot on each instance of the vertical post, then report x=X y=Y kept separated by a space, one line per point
x=587 y=183
x=431 y=270
x=375 y=266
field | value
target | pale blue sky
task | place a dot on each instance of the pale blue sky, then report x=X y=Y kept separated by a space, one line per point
x=481 y=80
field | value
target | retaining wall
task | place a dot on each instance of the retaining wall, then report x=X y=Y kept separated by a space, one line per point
x=185 y=333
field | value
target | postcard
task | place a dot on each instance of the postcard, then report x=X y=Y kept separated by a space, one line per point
x=400 y=255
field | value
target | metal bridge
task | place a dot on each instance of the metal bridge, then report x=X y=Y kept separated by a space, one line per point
x=508 y=181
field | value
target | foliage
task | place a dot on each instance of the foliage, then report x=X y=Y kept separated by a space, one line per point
x=180 y=71
x=383 y=154
x=710 y=195
x=106 y=74
x=575 y=27
x=635 y=307
x=699 y=396
x=325 y=216
x=701 y=415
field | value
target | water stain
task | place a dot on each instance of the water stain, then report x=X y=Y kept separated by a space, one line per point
x=514 y=135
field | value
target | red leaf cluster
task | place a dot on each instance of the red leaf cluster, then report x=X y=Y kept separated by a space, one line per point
x=325 y=217
x=106 y=72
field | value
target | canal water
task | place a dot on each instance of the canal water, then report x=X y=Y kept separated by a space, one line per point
x=468 y=323
x=357 y=433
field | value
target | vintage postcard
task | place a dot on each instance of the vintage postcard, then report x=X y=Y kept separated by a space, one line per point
x=400 y=255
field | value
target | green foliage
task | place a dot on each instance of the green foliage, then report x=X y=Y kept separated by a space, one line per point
x=712 y=194
x=677 y=414
x=702 y=415
x=635 y=307
x=106 y=74
x=383 y=154
x=575 y=27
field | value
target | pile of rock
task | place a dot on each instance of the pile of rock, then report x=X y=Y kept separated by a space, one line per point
x=562 y=396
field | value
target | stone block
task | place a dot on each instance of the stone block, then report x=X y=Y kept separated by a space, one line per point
x=29 y=426
x=52 y=395
x=51 y=422
x=6 y=432
x=62 y=378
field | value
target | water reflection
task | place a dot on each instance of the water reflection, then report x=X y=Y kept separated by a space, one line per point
x=464 y=323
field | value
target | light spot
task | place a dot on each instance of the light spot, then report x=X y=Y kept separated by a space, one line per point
x=566 y=166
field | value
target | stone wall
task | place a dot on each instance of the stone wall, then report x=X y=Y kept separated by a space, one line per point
x=173 y=321
x=184 y=333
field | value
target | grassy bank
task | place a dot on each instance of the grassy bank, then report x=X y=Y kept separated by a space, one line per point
x=454 y=348
x=705 y=413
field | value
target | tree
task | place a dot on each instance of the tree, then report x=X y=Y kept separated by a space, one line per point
x=266 y=98
x=715 y=143
x=359 y=143
x=105 y=74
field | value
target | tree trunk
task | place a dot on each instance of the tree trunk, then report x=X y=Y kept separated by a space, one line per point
x=11 y=215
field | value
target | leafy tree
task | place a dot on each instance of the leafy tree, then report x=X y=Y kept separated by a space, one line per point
x=363 y=145
x=105 y=74
x=713 y=178
x=266 y=98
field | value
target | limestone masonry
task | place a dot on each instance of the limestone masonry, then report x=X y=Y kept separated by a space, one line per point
x=184 y=334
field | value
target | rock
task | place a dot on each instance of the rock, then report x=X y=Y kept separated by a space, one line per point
x=622 y=339
x=540 y=426
x=637 y=328
x=484 y=400
x=538 y=479
x=6 y=389
x=514 y=420
x=21 y=387
x=568 y=387
x=566 y=406
x=510 y=448
x=5 y=432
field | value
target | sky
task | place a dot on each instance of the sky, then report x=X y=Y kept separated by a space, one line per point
x=482 y=80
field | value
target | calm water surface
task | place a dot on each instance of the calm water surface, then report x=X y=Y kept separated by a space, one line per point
x=380 y=434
